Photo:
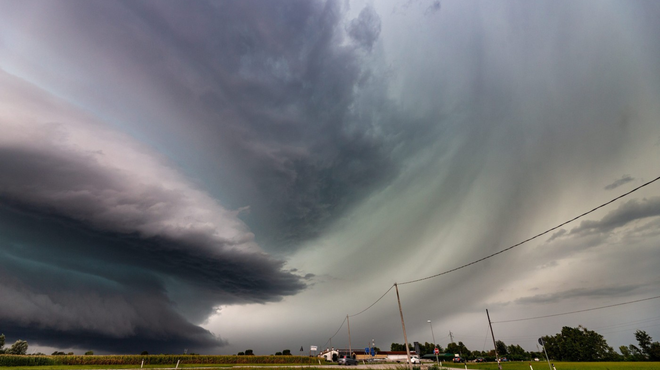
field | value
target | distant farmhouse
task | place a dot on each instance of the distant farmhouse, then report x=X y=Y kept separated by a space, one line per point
x=332 y=354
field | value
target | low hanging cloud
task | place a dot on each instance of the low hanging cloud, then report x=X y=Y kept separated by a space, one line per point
x=628 y=212
x=127 y=249
x=602 y=292
x=623 y=180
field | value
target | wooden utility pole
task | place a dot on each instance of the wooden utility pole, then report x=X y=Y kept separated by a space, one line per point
x=350 y=349
x=499 y=365
x=403 y=325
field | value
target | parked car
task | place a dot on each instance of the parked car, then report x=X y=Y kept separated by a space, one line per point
x=347 y=360
x=458 y=359
x=414 y=359
x=479 y=359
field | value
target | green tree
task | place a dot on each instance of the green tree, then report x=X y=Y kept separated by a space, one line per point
x=89 y=353
x=517 y=353
x=625 y=352
x=459 y=348
x=501 y=348
x=654 y=351
x=18 y=348
x=636 y=353
x=578 y=344
x=644 y=340
x=278 y=353
x=286 y=352
x=2 y=344
x=650 y=350
x=397 y=347
x=249 y=352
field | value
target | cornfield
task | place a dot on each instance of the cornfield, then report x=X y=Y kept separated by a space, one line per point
x=30 y=360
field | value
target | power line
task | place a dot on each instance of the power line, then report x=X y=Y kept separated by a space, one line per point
x=342 y=323
x=333 y=335
x=507 y=249
x=381 y=297
x=578 y=311
x=533 y=237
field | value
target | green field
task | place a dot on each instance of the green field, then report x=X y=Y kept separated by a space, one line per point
x=483 y=366
x=563 y=366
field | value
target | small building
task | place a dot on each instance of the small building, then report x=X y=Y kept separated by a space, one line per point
x=398 y=356
x=359 y=354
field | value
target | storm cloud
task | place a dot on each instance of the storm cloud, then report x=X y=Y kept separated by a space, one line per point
x=126 y=249
x=209 y=175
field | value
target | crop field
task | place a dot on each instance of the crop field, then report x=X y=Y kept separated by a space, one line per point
x=162 y=361
x=563 y=366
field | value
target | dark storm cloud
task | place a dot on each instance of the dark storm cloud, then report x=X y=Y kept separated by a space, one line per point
x=285 y=117
x=105 y=245
x=366 y=28
x=628 y=212
x=105 y=291
x=623 y=180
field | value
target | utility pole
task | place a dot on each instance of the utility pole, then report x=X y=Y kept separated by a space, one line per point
x=403 y=325
x=542 y=342
x=435 y=348
x=499 y=365
x=350 y=349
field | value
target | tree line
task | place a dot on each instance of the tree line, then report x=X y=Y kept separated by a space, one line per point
x=571 y=344
x=18 y=348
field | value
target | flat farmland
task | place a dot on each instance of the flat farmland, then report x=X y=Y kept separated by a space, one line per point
x=562 y=366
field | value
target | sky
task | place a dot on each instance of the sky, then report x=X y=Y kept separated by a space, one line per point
x=216 y=176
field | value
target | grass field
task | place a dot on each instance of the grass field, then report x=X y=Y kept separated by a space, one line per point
x=563 y=366
x=483 y=366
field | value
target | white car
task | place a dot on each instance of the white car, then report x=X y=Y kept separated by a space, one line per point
x=414 y=359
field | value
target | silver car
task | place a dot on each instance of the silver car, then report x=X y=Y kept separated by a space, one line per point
x=347 y=360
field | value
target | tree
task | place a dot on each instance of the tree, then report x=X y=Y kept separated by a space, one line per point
x=397 y=347
x=2 y=344
x=644 y=340
x=459 y=348
x=286 y=352
x=427 y=348
x=501 y=348
x=654 y=351
x=18 y=348
x=278 y=353
x=144 y=353
x=517 y=353
x=89 y=353
x=578 y=344
x=650 y=350
x=240 y=354
x=636 y=353
x=625 y=352
x=249 y=352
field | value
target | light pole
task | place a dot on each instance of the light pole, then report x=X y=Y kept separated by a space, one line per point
x=434 y=345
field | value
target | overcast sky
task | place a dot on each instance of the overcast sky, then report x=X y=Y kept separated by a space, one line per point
x=224 y=175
